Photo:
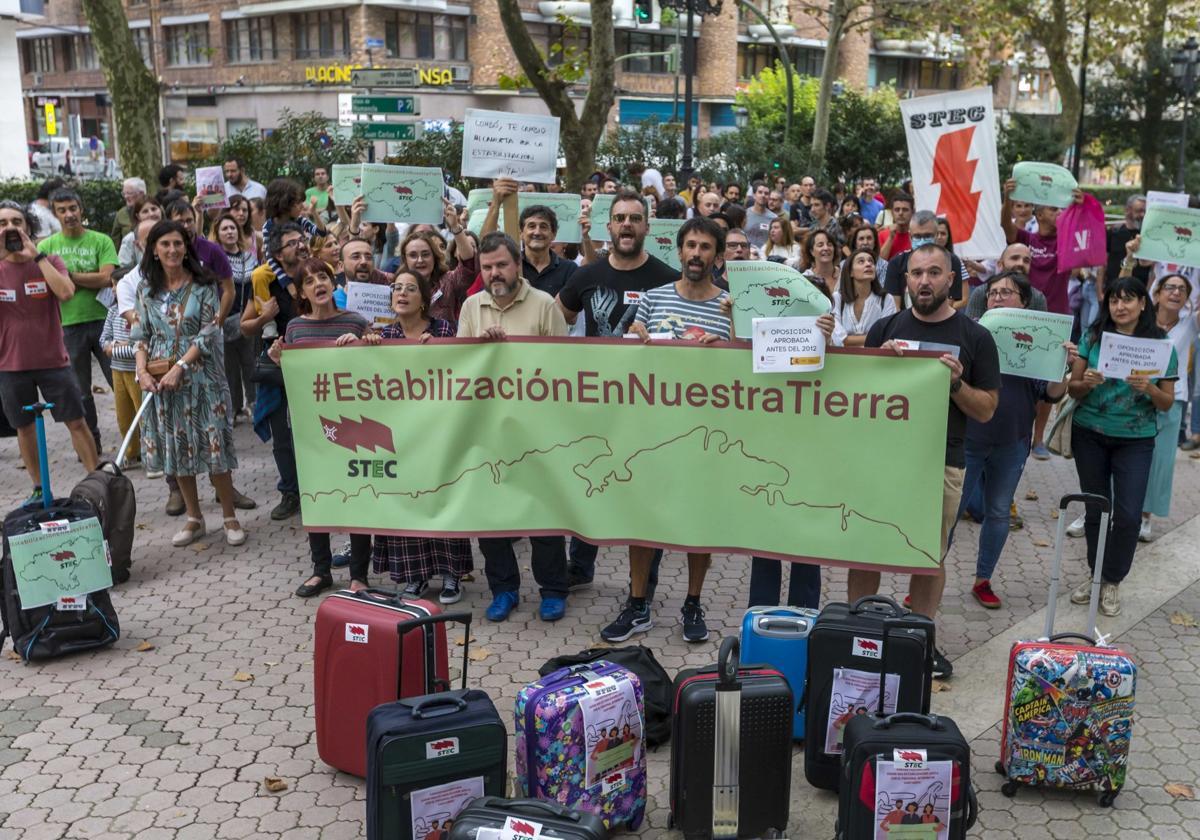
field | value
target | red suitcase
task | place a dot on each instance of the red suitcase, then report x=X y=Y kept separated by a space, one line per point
x=372 y=647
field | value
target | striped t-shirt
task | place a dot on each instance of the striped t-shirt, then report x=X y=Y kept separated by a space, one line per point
x=663 y=310
x=301 y=330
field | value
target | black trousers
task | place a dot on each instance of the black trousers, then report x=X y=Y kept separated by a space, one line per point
x=549 y=565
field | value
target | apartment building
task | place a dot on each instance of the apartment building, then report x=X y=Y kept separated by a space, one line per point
x=226 y=65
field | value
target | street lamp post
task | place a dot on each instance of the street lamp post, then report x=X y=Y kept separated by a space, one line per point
x=691 y=8
x=1183 y=68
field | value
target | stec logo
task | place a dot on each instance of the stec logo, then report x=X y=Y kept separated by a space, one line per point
x=367 y=468
x=867 y=648
x=441 y=748
x=521 y=829
x=910 y=759
x=357 y=633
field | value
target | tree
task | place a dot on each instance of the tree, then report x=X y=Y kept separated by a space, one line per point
x=435 y=148
x=1027 y=137
x=579 y=135
x=650 y=142
x=300 y=143
x=133 y=89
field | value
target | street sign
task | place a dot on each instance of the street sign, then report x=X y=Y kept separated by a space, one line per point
x=390 y=77
x=374 y=43
x=385 y=105
x=391 y=131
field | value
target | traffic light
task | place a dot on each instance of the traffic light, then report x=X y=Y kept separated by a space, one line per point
x=643 y=11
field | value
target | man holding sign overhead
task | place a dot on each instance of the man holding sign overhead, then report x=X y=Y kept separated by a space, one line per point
x=545 y=270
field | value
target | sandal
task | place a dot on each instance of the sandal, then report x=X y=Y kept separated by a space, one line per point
x=234 y=535
x=189 y=535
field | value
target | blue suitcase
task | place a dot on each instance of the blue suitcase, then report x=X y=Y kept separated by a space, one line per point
x=778 y=636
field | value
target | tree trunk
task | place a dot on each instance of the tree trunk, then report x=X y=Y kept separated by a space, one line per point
x=1056 y=41
x=820 y=140
x=580 y=134
x=1158 y=69
x=132 y=87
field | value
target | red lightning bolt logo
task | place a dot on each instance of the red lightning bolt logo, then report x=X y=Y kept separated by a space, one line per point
x=956 y=174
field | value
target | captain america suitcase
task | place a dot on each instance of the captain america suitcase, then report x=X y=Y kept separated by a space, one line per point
x=372 y=647
x=778 y=636
x=1069 y=701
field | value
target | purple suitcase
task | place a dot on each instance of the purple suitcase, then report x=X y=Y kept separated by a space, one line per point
x=581 y=742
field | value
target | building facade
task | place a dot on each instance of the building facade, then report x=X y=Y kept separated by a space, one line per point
x=225 y=66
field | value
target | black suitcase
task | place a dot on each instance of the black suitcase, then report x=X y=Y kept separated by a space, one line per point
x=911 y=748
x=423 y=742
x=731 y=749
x=555 y=820
x=849 y=637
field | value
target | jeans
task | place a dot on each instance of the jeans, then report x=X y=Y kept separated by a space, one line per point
x=322 y=555
x=239 y=367
x=583 y=560
x=283 y=449
x=549 y=565
x=83 y=343
x=804 y=583
x=1118 y=469
x=1089 y=306
x=993 y=473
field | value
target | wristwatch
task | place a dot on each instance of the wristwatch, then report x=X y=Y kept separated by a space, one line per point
x=456 y=232
x=955 y=386
x=39 y=257
x=184 y=365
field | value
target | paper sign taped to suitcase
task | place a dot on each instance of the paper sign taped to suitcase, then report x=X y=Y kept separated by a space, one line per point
x=912 y=803
x=855 y=693
x=435 y=808
x=673 y=444
x=613 y=726
x=62 y=559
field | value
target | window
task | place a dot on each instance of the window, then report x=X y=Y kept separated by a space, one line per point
x=321 y=34
x=142 y=40
x=192 y=139
x=79 y=54
x=187 y=44
x=754 y=58
x=633 y=41
x=250 y=39
x=39 y=55
x=233 y=126
x=427 y=36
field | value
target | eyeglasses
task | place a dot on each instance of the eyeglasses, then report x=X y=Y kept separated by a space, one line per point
x=1174 y=288
x=295 y=243
x=1000 y=294
x=632 y=218
x=738 y=244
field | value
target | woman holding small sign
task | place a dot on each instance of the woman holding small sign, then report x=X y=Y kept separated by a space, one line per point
x=1113 y=432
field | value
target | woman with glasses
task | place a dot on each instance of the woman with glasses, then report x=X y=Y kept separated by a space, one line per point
x=1172 y=296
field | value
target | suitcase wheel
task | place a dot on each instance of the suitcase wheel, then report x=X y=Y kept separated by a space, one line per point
x=1009 y=789
x=1000 y=768
x=1107 y=798
x=670 y=822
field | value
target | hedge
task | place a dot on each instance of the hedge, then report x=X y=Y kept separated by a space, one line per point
x=101 y=198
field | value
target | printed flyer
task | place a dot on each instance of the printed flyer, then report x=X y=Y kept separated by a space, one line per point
x=912 y=797
x=613 y=727
x=855 y=693
x=434 y=808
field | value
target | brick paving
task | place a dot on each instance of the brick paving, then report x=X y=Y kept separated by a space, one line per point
x=166 y=743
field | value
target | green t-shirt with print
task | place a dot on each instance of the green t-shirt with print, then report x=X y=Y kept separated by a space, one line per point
x=1113 y=408
x=84 y=255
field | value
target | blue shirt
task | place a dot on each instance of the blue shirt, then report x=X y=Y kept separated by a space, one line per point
x=870 y=209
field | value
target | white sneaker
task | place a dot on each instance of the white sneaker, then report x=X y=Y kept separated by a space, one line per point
x=1075 y=529
x=153 y=474
x=1144 y=532
x=1110 y=599
x=1082 y=594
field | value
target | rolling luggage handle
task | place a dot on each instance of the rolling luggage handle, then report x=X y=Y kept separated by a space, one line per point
x=1105 y=507
x=432 y=682
x=866 y=601
x=727 y=742
x=912 y=621
x=930 y=721
x=43 y=458
x=435 y=705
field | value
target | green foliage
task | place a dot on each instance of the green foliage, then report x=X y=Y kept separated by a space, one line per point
x=1027 y=137
x=743 y=154
x=1112 y=197
x=866 y=133
x=435 y=149
x=655 y=144
x=101 y=198
x=301 y=143
x=568 y=61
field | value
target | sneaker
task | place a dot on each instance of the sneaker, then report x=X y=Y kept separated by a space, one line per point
x=175 y=504
x=341 y=557
x=1110 y=599
x=694 y=628
x=576 y=580
x=1041 y=452
x=35 y=498
x=154 y=474
x=985 y=596
x=1144 y=531
x=631 y=620
x=552 y=609
x=289 y=505
x=1075 y=529
x=451 y=591
x=503 y=603
x=1082 y=593
x=414 y=589
x=942 y=669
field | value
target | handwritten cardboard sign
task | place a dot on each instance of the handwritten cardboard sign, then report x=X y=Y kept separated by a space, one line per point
x=497 y=144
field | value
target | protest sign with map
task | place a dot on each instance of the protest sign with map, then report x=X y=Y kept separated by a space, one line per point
x=763 y=289
x=410 y=194
x=1030 y=343
x=660 y=241
x=564 y=205
x=1043 y=183
x=347 y=183
x=601 y=205
x=60 y=560
x=1171 y=234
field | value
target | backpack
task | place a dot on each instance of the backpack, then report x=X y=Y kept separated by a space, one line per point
x=656 y=684
x=110 y=492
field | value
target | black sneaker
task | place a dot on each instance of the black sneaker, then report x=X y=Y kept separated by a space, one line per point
x=694 y=628
x=631 y=620
x=289 y=505
x=576 y=580
x=414 y=589
x=451 y=591
x=942 y=669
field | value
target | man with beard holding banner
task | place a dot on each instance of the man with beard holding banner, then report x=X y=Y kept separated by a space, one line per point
x=970 y=352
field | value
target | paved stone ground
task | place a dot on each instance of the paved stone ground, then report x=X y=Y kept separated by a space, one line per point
x=166 y=743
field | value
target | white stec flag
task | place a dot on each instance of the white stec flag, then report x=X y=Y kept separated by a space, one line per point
x=952 y=149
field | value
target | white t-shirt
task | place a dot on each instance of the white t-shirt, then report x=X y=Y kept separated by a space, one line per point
x=127 y=290
x=253 y=189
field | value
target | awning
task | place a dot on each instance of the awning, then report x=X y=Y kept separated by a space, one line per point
x=282 y=7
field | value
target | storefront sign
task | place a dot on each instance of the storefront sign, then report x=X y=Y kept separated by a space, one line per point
x=330 y=74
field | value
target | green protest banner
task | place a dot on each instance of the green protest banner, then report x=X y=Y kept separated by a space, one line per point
x=660 y=241
x=475 y=220
x=1043 y=183
x=671 y=444
x=62 y=560
x=763 y=289
x=564 y=205
x=601 y=205
x=1171 y=234
x=347 y=183
x=410 y=194
x=1030 y=342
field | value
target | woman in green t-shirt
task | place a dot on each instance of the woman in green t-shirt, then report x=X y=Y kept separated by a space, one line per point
x=1112 y=433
